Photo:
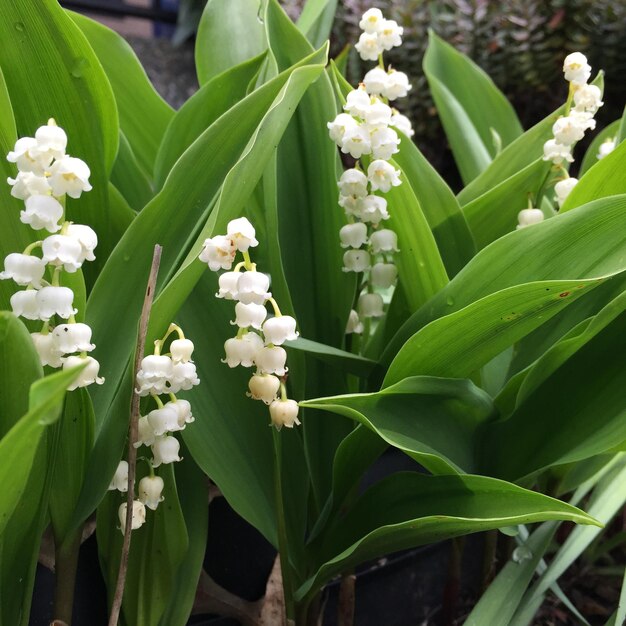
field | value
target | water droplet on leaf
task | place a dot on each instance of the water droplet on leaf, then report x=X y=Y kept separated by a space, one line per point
x=19 y=26
x=449 y=300
x=79 y=67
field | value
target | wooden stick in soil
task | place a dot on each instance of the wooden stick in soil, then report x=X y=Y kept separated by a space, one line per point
x=132 y=436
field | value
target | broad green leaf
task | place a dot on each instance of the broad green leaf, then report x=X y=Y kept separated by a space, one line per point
x=433 y=420
x=143 y=114
x=470 y=106
x=411 y=509
x=129 y=178
x=591 y=155
x=316 y=20
x=229 y=33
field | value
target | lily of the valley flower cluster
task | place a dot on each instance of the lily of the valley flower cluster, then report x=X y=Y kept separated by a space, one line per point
x=259 y=339
x=367 y=132
x=159 y=374
x=46 y=174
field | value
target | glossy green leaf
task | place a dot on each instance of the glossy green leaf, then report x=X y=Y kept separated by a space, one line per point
x=129 y=178
x=229 y=33
x=591 y=154
x=316 y=20
x=470 y=107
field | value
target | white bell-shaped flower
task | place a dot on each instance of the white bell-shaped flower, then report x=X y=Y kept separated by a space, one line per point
x=349 y=204
x=271 y=360
x=27 y=184
x=356 y=142
x=576 y=68
x=185 y=377
x=61 y=250
x=242 y=234
x=383 y=275
x=353 y=182
x=356 y=261
x=163 y=420
x=528 y=217
x=218 y=252
x=150 y=491
x=397 y=85
x=570 y=129
x=284 y=413
x=338 y=127
x=357 y=103
x=372 y=209
x=47 y=349
x=277 y=330
x=247 y=315
x=588 y=98
x=371 y=21
x=353 y=235
x=69 y=175
x=385 y=142
x=73 y=338
x=264 y=387
x=26 y=159
x=183 y=410
x=402 y=123
x=252 y=287
x=354 y=324
x=563 y=188
x=181 y=350
x=138 y=518
x=87 y=239
x=24 y=269
x=25 y=304
x=119 y=482
x=383 y=176
x=87 y=376
x=154 y=375
x=165 y=450
x=145 y=434
x=390 y=34
x=370 y=305
x=369 y=46
x=228 y=285
x=606 y=147
x=556 y=152
x=42 y=212
x=242 y=350
x=384 y=240
x=377 y=113
x=55 y=301
x=375 y=81
x=51 y=143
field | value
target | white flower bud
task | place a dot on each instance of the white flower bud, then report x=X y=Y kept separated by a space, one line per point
x=372 y=209
x=154 y=375
x=150 y=490
x=397 y=85
x=183 y=410
x=264 y=387
x=252 y=287
x=385 y=143
x=218 y=252
x=284 y=413
x=61 y=250
x=181 y=350
x=47 y=349
x=557 y=153
x=384 y=240
x=87 y=376
x=69 y=175
x=338 y=127
x=563 y=189
x=606 y=147
x=242 y=350
x=375 y=81
x=371 y=21
x=27 y=161
x=353 y=235
x=55 y=301
x=51 y=142
x=390 y=34
x=119 y=481
x=42 y=212
x=145 y=434
x=247 y=315
x=356 y=142
x=165 y=450
x=138 y=518
x=357 y=103
x=272 y=360
x=228 y=285
x=369 y=46
x=402 y=123
x=27 y=184
x=24 y=269
x=353 y=182
x=576 y=68
x=277 y=330
x=24 y=304
x=370 y=305
x=73 y=338
x=383 y=176
x=163 y=420
x=528 y=217
x=383 y=275
x=185 y=377
x=354 y=324
x=242 y=233
x=377 y=113
x=87 y=239
x=356 y=261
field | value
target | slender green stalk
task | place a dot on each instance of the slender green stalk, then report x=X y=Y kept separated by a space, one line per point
x=66 y=563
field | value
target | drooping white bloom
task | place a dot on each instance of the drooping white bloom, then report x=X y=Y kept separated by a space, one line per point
x=264 y=387
x=528 y=217
x=181 y=350
x=87 y=376
x=51 y=142
x=150 y=490
x=606 y=147
x=385 y=143
x=397 y=85
x=145 y=434
x=183 y=410
x=354 y=324
x=375 y=81
x=154 y=375
x=570 y=129
x=163 y=420
x=356 y=261
x=372 y=209
x=119 y=481
x=61 y=250
x=242 y=234
x=353 y=235
x=22 y=155
x=24 y=304
x=370 y=305
x=576 y=68
x=338 y=127
x=402 y=123
x=383 y=176
x=47 y=349
x=371 y=21
x=138 y=518
x=390 y=34
x=55 y=301
x=228 y=285
x=377 y=113
x=252 y=287
x=242 y=350
x=247 y=315
x=353 y=182
x=563 y=189
x=356 y=142
x=383 y=275
x=357 y=103
x=42 y=212
x=69 y=175
x=384 y=240
x=588 y=98
x=87 y=239
x=277 y=330
x=185 y=377
x=27 y=184
x=349 y=203
x=165 y=450
x=218 y=252
x=556 y=152
x=271 y=360
x=73 y=338
x=284 y=413
x=24 y=269
x=369 y=46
